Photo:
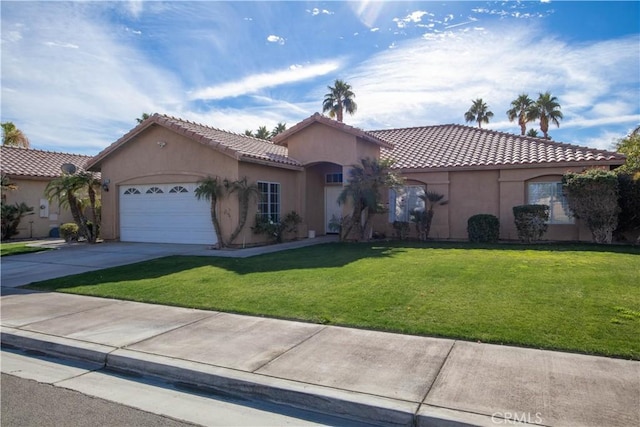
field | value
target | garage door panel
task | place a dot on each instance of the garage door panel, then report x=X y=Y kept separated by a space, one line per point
x=159 y=216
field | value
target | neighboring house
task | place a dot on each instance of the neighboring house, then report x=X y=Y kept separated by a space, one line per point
x=31 y=170
x=152 y=172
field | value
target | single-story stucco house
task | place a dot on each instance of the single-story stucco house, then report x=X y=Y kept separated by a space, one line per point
x=31 y=170
x=152 y=171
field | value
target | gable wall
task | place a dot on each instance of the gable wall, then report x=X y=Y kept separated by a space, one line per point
x=322 y=143
x=142 y=161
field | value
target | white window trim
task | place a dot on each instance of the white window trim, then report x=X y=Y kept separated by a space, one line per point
x=269 y=214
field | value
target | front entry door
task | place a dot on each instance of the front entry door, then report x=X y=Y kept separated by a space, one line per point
x=331 y=206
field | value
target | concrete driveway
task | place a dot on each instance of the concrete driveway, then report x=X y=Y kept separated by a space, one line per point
x=68 y=259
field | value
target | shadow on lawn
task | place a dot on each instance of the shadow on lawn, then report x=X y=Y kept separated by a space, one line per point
x=311 y=257
x=329 y=255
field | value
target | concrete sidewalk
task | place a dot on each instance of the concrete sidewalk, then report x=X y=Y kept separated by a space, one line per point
x=374 y=377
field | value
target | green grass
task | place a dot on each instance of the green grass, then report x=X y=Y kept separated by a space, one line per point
x=18 y=248
x=578 y=298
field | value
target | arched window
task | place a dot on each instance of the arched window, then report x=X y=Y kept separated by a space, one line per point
x=132 y=191
x=178 y=189
x=155 y=190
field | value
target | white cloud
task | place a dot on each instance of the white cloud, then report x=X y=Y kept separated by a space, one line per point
x=65 y=45
x=275 y=39
x=315 y=11
x=67 y=83
x=413 y=17
x=256 y=82
x=433 y=80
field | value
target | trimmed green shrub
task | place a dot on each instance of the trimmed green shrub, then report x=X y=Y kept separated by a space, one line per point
x=531 y=221
x=593 y=198
x=69 y=231
x=483 y=228
x=276 y=230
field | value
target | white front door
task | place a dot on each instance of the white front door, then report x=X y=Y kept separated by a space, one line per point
x=331 y=207
x=164 y=213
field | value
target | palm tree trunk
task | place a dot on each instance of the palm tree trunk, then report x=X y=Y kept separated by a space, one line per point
x=544 y=125
x=216 y=224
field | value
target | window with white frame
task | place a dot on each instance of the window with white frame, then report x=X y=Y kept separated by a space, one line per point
x=403 y=200
x=551 y=194
x=269 y=204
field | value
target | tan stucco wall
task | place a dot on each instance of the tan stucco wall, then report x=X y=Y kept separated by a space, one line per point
x=493 y=192
x=143 y=161
x=38 y=225
x=291 y=199
x=321 y=143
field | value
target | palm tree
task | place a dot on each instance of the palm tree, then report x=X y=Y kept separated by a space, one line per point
x=64 y=190
x=142 y=118
x=519 y=108
x=532 y=133
x=363 y=192
x=479 y=112
x=12 y=136
x=212 y=190
x=262 y=133
x=6 y=185
x=248 y=132
x=87 y=181
x=280 y=127
x=431 y=199
x=245 y=193
x=338 y=100
x=547 y=109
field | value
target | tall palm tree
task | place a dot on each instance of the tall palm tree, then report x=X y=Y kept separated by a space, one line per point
x=262 y=133
x=479 y=112
x=532 y=133
x=339 y=99
x=13 y=136
x=245 y=193
x=546 y=109
x=212 y=190
x=280 y=127
x=519 y=108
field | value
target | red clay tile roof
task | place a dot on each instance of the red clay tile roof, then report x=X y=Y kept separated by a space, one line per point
x=16 y=161
x=458 y=146
x=241 y=147
x=319 y=118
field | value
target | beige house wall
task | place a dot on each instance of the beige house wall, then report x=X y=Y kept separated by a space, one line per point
x=493 y=192
x=42 y=221
x=291 y=199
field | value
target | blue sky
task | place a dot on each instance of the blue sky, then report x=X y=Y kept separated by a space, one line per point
x=75 y=75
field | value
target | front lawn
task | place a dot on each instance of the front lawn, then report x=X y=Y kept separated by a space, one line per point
x=580 y=298
x=18 y=248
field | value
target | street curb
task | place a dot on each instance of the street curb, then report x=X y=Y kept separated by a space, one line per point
x=355 y=406
x=55 y=346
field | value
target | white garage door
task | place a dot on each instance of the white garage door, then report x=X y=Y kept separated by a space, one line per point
x=164 y=213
